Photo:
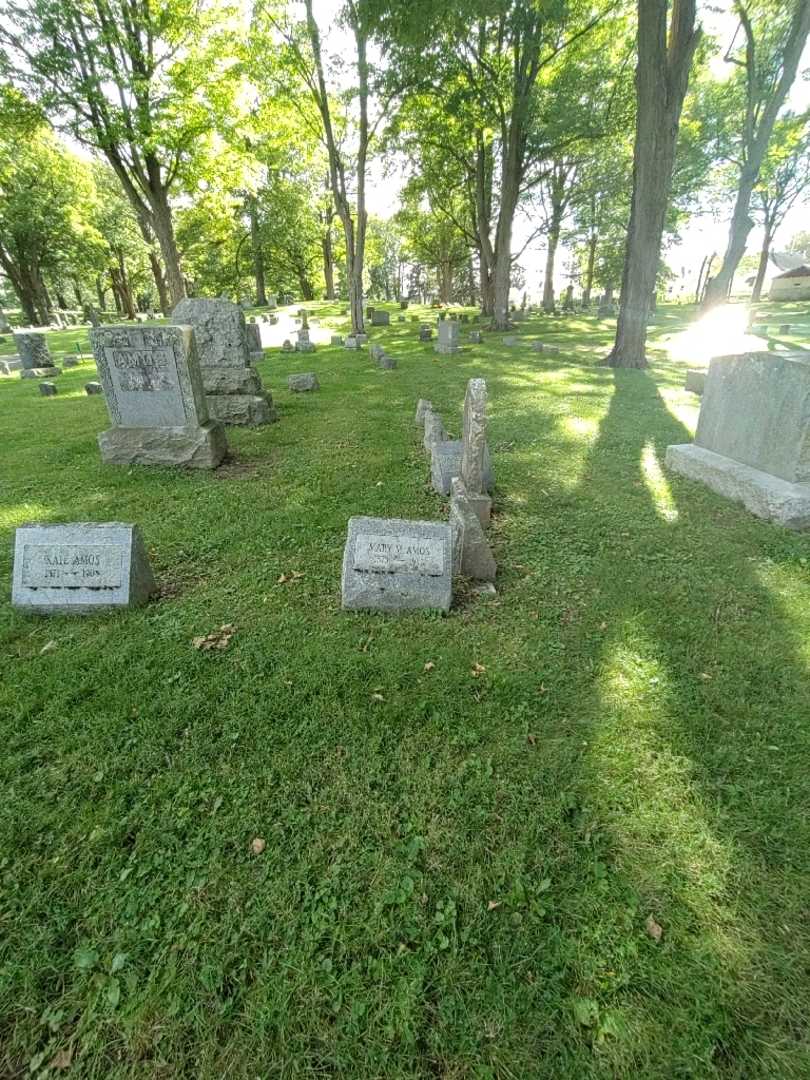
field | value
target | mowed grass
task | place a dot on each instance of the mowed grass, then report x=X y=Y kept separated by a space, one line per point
x=458 y=877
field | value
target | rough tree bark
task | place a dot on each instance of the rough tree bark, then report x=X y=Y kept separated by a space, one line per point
x=354 y=219
x=764 y=254
x=662 y=75
x=759 y=121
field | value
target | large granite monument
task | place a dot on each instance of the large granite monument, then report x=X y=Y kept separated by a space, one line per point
x=80 y=567
x=395 y=565
x=154 y=393
x=233 y=389
x=752 y=442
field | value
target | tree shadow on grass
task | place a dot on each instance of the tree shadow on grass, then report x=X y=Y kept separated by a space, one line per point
x=694 y=705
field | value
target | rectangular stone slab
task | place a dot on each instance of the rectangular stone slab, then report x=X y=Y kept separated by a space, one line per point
x=390 y=564
x=80 y=567
x=756 y=410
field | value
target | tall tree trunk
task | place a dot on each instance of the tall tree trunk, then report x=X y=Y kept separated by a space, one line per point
x=77 y=292
x=164 y=231
x=160 y=282
x=662 y=74
x=756 y=292
x=101 y=293
x=510 y=190
x=258 y=254
x=760 y=119
x=548 y=281
x=39 y=294
x=593 y=240
x=328 y=262
x=124 y=288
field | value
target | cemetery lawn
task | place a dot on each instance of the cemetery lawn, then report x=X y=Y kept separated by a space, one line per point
x=561 y=834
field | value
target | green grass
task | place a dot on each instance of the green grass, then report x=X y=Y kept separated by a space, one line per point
x=457 y=878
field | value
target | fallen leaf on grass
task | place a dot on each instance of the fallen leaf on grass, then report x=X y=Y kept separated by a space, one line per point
x=217 y=639
x=493 y=904
x=285 y=579
x=258 y=845
x=531 y=740
x=62 y=1058
x=377 y=697
x=654 y=929
x=477 y=669
x=429 y=666
x=47 y=648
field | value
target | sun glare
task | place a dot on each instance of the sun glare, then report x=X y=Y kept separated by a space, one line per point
x=720 y=332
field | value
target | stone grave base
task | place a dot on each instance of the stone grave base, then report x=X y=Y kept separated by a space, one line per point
x=230 y=380
x=201 y=447
x=766 y=496
x=246 y=410
x=40 y=373
x=445 y=350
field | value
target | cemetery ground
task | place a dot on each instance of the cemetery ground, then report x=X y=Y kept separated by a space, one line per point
x=561 y=833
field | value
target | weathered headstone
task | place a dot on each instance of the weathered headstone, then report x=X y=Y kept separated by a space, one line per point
x=472 y=554
x=448 y=337
x=784 y=328
x=254 y=340
x=154 y=393
x=233 y=389
x=752 y=442
x=395 y=565
x=476 y=471
x=272 y=303
x=307 y=380
x=70 y=361
x=537 y=346
x=423 y=406
x=401 y=318
x=403 y=304
x=476 y=337
x=351 y=343
x=445 y=463
x=434 y=430
x=425 y=333
x=336 y=339
x=510 y=340
x=386 y=362
x=287 y=346
x=380 y=318
x=362 y=339
x=80 y=567
x=91 y=388
x=32 y=347
x=47 y=389
x=695 y=380
x=303 y=344
x=375 y=351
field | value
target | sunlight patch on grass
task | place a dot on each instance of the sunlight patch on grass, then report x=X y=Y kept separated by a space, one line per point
x=583 y=427
x=657 y=484
x=12 y=516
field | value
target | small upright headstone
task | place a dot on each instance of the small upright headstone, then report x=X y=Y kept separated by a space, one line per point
x=472 y=555
x=425 y=333
x=476 y=337
x=369 y=313
x=336 y=339
x=254 y=340
x=154 y=392
x=272 y=303
x=394 y=565
x=47 y=389
x=287 y=346
x=351 y=343
x=387 y=363
x=448 y=339
x=362 y=339
x=32 y=347
x=80 y=567
x=434 y=430
x=380 y=318
x=70 y=361
x=307 y=380
x=784 y=328
x=401 y=318
x=233 y=390
x=403 y=304
x=510 y=340
x=91 y=388
x=376 y=351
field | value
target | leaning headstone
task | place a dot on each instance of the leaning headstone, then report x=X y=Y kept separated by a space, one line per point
x=472 y=554
x=394 y=565
x=32 y=347
x=47 y=389
x=233 y=389
x=91 y=388
x=155 y=397
x=752 y=442
x=425 y=333
x=387 y=363
x=423 y=406
x=695 y=380
x=380 y=318
x=434 y=430
x=304 y=381
x=448 y=337
x=80 y=567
